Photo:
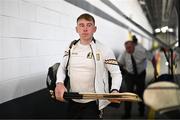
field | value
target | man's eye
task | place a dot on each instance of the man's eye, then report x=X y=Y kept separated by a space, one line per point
x=81 y=25
x=89 y=25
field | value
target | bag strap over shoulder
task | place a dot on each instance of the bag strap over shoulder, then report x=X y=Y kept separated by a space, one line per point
x=73 y=43
x=67 y=81
x=69 y=52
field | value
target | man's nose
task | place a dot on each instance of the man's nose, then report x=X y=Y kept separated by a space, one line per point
x=85 y=28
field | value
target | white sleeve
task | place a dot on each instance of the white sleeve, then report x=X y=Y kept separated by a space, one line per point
x=61 y=72
x=113 y=67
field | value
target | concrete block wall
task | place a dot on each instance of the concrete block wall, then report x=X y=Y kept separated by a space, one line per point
x=34 y=34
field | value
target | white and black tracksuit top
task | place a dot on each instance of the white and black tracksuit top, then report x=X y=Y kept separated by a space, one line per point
x=104 y=61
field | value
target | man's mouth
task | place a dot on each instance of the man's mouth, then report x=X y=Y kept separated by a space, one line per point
x=85 y=34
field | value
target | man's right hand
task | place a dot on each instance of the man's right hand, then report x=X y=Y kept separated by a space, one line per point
x=59 y=91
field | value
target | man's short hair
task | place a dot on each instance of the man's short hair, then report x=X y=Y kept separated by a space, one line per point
x=87 y=17
x=135 y=40
x=129 y=41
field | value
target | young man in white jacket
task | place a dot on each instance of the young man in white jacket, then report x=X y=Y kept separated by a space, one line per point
x=88 y=66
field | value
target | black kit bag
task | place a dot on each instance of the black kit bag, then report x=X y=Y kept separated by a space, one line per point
x=51 y=75
x=51 y=78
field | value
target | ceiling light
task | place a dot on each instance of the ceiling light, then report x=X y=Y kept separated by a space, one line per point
x=164 y=29
x=142 y=2
x=170 y=30
x=177 y=44
x=157 y=30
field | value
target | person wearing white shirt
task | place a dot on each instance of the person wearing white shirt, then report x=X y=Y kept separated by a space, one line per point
x=134 y=73
x=89 y=63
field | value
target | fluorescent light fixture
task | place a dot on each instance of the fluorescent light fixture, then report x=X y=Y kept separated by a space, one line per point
x=177 y=44
x=170 y=30
x=157 y=30
x=142 y=2
x=164 y=29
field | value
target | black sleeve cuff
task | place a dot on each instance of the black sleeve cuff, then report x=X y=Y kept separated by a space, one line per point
x=114 y=90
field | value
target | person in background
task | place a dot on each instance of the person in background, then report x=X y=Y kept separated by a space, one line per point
x=133 y=65
x=88 y=68
x=149 y=56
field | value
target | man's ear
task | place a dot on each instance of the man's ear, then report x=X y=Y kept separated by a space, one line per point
x=95 y=28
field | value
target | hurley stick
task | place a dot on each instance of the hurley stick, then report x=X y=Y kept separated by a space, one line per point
x=126 y=96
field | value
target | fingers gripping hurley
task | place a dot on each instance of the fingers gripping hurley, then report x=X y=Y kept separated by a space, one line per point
x=126 y=96
x=162 y=95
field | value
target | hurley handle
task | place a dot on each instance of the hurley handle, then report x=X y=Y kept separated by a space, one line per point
x=72 y=95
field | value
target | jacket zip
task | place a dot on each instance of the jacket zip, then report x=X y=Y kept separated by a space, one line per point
x=95 y=66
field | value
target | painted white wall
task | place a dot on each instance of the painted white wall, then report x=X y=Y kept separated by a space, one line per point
x=34 y=34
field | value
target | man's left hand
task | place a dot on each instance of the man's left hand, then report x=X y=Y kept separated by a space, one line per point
x=114 y=100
